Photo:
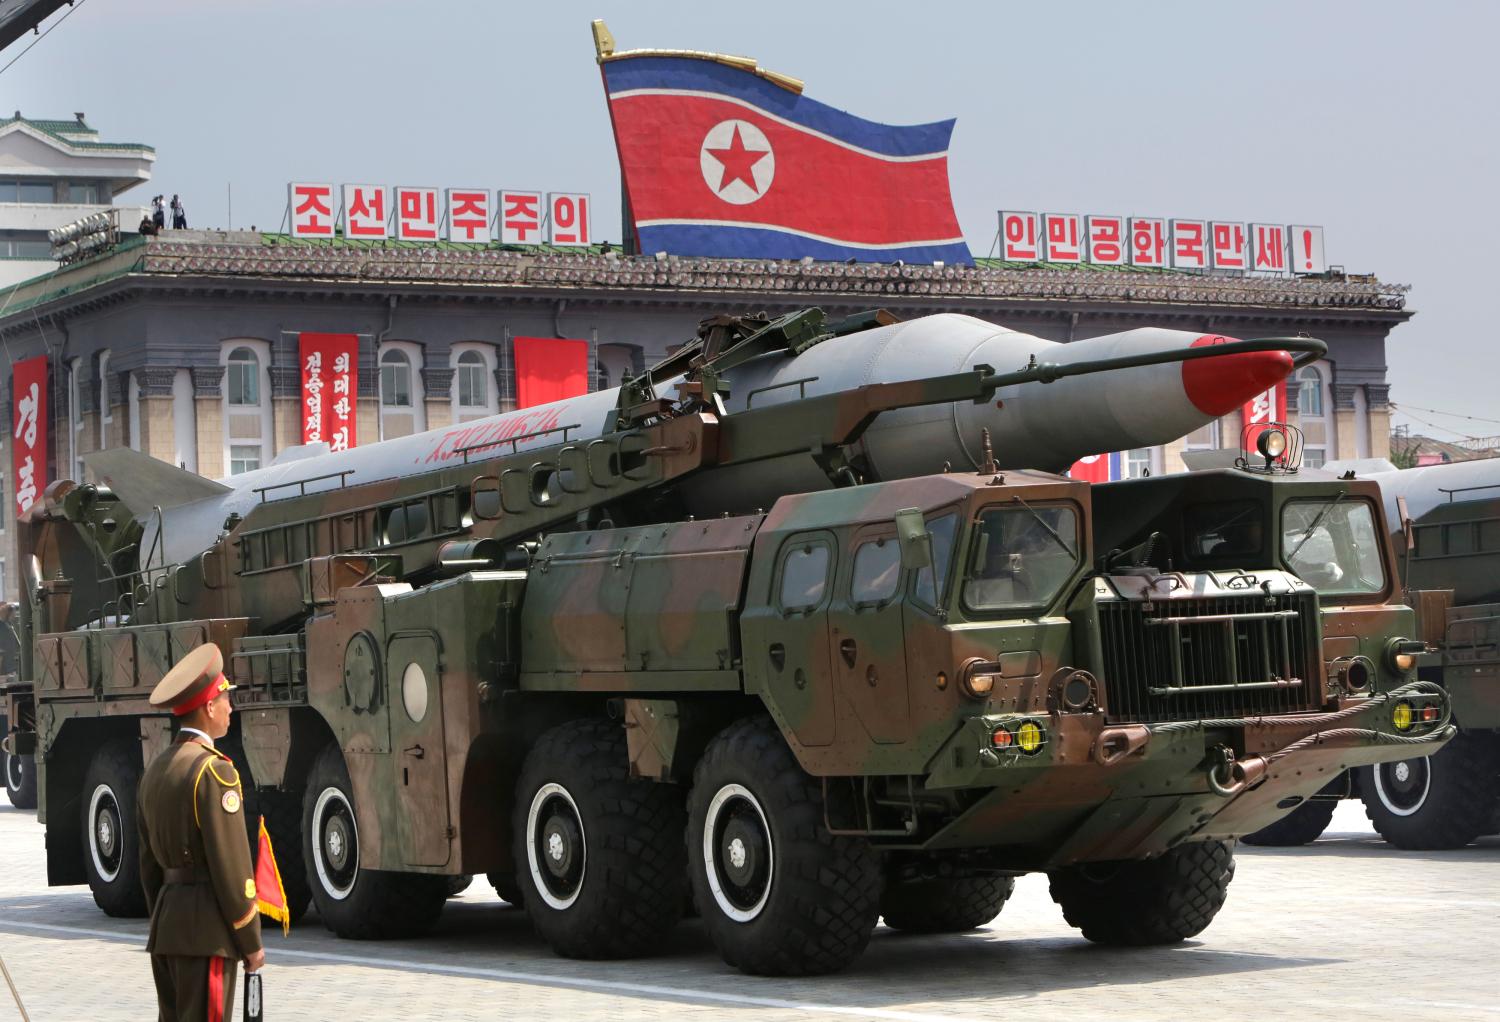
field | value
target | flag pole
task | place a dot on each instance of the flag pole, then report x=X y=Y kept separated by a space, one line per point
x=14 y=992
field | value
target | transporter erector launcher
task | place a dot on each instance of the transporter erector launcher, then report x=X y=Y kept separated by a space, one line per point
x=1040 y=427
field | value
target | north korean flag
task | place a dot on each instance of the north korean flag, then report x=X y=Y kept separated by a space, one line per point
x=1098 y=468
x=720 y=160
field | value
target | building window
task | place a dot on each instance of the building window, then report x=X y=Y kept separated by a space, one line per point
x=244 y=458
x=242 y=378
x=395 y=379
x=1204 y=438
x=35 y=191
x=1310 y=393
x=84 y=193
x=473 y=388
x=1138 y=462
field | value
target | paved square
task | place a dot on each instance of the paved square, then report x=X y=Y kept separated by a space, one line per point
x=1349 y=928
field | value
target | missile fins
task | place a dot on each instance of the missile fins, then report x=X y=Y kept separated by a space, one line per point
x=144 y=483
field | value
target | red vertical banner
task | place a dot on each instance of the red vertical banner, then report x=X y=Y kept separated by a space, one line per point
x=550 y=370
x=330 y=388
x=1262 y=410
x=28 y=450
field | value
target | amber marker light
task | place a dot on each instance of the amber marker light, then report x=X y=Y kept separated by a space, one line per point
x=1029 y=737
x=1401 y=716
x=942 y=680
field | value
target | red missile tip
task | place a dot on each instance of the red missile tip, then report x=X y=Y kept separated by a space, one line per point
x=1217 y=386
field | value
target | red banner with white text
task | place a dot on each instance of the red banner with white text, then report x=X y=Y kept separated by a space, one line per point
x=330 y=388
x=28 y=452
x=550 y=370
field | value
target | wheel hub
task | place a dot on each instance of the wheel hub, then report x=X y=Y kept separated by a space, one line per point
x=560 y=837
x=556 y=847
x=737 y=852
x=337 y=843
x=1403 y=772
x=106 y=833
x=1403 y=786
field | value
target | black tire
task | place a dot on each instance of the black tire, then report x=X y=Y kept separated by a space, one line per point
x=357 y=903
x=111 y=840
x=944 y=904
x=599 y=857
x=780 y=896
x=282 y=812
x=1301 y=826
x=1155 y=901
x=1442 y=801
x=506 y=887
x=459 y=884
x=20 y=781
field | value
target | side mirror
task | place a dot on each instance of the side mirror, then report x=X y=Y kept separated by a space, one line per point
x=915 y=540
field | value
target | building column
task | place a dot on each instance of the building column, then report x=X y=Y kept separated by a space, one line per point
x=437 y=391
x=1345 y=436
x=118 y=434
x=158 y=430
x=286 y=407
x=367 y=412
x=1378 y=400
x=208 y=420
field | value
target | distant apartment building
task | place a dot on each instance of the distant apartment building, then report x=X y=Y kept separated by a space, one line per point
x=53 y=172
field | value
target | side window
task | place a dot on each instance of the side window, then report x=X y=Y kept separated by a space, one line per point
x=804 y=576
x=877 y=571
x=942 y=529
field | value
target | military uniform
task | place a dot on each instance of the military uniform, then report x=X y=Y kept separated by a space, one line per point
x=195 y=858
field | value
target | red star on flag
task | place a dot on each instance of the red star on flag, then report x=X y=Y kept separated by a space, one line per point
x=738 y=162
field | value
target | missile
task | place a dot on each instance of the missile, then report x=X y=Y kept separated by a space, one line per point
x=1041 y=426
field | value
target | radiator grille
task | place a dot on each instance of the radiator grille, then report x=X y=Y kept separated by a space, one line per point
x=1223 y=656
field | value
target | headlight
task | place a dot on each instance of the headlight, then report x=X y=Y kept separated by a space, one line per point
x=1029 y=737
x=1401 y=716
x=977 y=678
x=1401 y=654
x=1271 y=444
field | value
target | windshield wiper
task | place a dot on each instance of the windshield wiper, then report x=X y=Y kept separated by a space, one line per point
x=1322 y=513
x=1050 y=530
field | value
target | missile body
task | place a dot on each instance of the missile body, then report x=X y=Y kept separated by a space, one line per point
x=1042 y=426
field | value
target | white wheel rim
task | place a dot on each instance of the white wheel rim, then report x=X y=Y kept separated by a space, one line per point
x=1385 y=797
x=539 y=882
x=333 y=798
x=13 y=769
x=726 y=795
x=98 y=820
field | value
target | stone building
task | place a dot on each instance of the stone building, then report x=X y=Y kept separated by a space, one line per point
x=185 y=346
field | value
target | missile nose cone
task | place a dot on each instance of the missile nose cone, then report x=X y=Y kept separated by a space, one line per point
x=1217 y=386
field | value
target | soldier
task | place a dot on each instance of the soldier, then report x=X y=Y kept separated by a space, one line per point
x=195 y=856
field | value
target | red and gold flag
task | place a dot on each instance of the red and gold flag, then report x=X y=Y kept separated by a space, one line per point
x=270 y=896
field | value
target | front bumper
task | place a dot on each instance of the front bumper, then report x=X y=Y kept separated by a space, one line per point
x=1094 y=792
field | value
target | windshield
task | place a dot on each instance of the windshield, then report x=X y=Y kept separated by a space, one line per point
x=1333 y=545
x=1021 y=557
x=1232 y=529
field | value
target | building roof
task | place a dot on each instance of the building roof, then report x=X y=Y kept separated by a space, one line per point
x=75 y=133
x=267 y=258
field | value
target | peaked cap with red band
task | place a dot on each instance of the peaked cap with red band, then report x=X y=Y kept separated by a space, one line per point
x=192 y=682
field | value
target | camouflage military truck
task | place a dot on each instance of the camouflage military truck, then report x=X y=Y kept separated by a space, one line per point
x=884 y=698
x=1448 y=561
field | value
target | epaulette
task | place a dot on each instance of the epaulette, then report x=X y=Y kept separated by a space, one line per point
x=234 y=777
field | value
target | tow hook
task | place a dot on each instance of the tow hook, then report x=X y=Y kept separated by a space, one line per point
x=1115 y=743
x=1228 y=776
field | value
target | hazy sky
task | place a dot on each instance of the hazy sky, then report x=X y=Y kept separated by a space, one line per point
x=1376 y=120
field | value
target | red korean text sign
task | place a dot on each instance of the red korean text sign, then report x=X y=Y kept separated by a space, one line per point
x=28 y=389
x=330 y=389
x=549 y=370
x=311 y=208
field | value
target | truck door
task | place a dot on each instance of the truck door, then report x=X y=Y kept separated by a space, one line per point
x=868 y=637
x=799 y=662
x=413 y=667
